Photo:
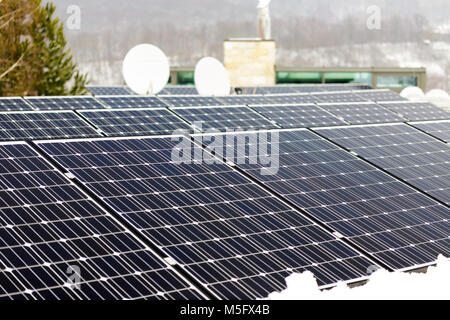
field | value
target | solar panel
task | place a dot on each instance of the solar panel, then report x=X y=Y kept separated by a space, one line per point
x=235 y=238
x=403 y=151
x=278 y=89
x=224 y=118
x=132 y=102
x=380 y=95
x=289 y=98
x=243 y=100
x=56 y=243
x=243 y=90
x=28 y=125
x=298 y=116
x=361 y=112
x=179 y=90
x=190 y=101
x=108 y=91
x=438 y=129
x=64 y=103
x=14 y=104
x=337 y=97
x=382 y=216
x=416 y=111
x=135 y=122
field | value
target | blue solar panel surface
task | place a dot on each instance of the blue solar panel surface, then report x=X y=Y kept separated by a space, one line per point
x=109 y=91
x=14 y=104
x=190 y=101
x=64 y=103
x=438 y=129
x=132 y=102
x=380 y=95
x=50 y=231
x=135 y=122
x=416 y=111
x=235 y=238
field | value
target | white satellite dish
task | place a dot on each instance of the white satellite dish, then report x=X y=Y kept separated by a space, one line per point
x=413 y=94
x=211 y=78
x=439 y=98
x=146 y=69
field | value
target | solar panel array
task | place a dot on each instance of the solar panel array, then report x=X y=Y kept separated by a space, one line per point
x=50 y=231
x=111 y=192
x=179 y=90
x=109 y=91
x=237 y=239
x=135 y=122
x=29 y=125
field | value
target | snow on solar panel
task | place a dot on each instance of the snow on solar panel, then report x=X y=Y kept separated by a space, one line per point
x=298 y=116
x=380 y=95
x=289 y=98
x=243 y=99
x=28 y=125
x=361 y=112
x=132 y=101
x=415 y=157
x=56 y=243
x=226 y=231
x=179 y=90
x=438 y=129
x=384 y=217
x=14 y=104
x=135 y=122
x=64 y=103
x=224 y=118
x=190 y=101
x=416 y=111
x=337 y=97
x=108 y=91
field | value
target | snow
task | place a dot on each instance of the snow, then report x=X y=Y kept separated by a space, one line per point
x=434 y=284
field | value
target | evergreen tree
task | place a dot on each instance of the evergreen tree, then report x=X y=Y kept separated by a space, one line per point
x=34 y=58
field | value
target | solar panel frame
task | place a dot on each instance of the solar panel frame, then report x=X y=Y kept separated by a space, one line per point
x=220 y=274
x=416 y=111
x=64 y=102
x=14 y=104
x=206 y=121
x=298 y=118
x=131 y=101
x=317 y=195
x=50 y=227
x=361 y=112
x=48 y=124
x=111 y=126
x=439 y=129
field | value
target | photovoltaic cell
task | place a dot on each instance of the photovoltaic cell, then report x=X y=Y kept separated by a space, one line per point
x=403 y=151
x=14 y=104
x=64 y=103
x=190 y=101
x=381 y=215
x=362 y=113
x=51 y=234
x=380 y=95
x=438 y=129
x=223 y=118
x=132 y=102
x=298 y=116
x=416 y=111
x=234 y=237
x=28 y=125
x=108 y=91
x=135 y=122
x=337 y=97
